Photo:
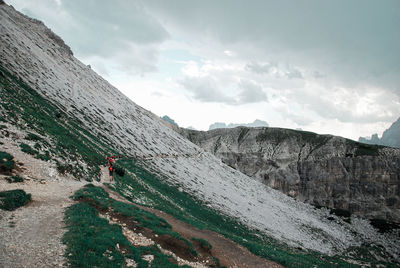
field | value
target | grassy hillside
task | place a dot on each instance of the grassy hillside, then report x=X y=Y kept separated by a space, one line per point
x=60 y=137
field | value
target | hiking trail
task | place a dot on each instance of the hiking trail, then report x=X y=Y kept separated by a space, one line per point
x=229 y=253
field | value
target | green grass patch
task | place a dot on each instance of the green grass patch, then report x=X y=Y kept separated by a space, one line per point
x=13 y=199
x=151 y=221
x=7 y=162
x=33 y=137
x=97 y=196
x=93 y=242
x=14 y=179
x=28 y=149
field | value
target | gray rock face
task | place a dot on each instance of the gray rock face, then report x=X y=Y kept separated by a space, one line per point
x=322 y=170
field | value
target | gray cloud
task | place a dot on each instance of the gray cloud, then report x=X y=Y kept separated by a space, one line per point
x=274 y=69
x=383 y=108
x=207 y=89
x=259 y=68
x=294 y=73
x=106 y=26
x=251 y=93
x=355 y=42
x=119 y=31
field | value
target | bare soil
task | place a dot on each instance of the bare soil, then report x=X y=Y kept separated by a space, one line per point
x=228 y=252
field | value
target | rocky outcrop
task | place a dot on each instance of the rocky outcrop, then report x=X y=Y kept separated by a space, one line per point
x=323 y=170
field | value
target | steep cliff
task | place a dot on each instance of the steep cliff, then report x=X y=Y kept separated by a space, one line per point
x=322 y=170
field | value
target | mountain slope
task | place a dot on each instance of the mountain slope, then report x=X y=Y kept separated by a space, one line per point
x=38 y=64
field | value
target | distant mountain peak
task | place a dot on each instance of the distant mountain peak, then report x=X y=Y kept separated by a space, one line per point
x=256 y=123
x=169 y=120
x=390 y=137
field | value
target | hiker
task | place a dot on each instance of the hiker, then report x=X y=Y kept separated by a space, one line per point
x=111 y=160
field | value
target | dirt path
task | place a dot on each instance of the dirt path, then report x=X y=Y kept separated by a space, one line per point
x=229 y=253
x=31 y=235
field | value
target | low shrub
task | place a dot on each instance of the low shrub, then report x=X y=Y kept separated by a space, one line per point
x=13 y=199
x=384 y=226
x=44 y=157
x=341 y=212
x=33 y=137
x=7 y=163
x=64 y=169
x=27 y=149
x=15 y=178
x=120 y=171
x=367 y=149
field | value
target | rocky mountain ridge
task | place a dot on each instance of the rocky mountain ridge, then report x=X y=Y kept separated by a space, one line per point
x=322 y=170
x=256 y=123
x=390 y=137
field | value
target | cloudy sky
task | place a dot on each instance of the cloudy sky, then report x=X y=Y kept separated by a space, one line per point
x=323 y=66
